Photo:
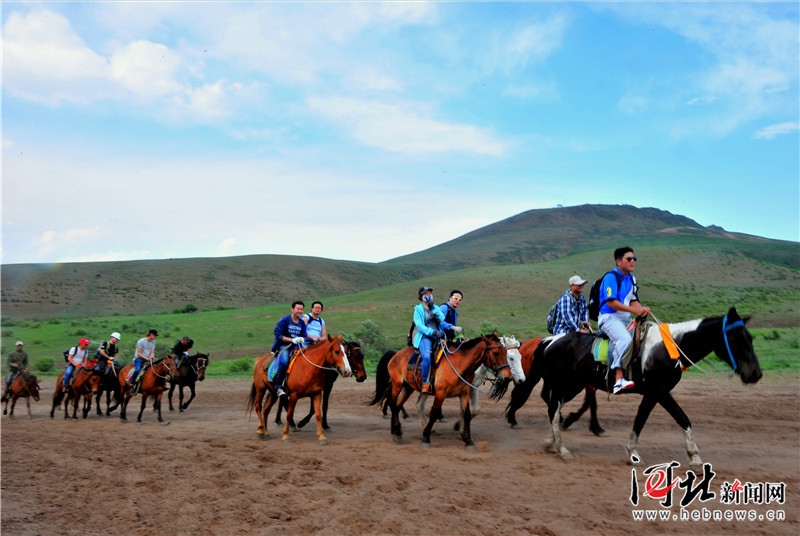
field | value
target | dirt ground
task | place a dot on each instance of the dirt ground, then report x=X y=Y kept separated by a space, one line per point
x=208 y=472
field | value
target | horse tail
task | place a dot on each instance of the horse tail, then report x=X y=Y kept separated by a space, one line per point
x=251 y=400
x=383 y=381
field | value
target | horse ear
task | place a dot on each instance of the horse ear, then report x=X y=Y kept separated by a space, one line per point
x=733 y=315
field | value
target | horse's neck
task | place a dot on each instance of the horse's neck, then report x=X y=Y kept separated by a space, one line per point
x=694 y=338
x=474 y=359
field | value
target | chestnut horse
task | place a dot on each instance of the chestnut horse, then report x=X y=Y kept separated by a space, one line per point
x=356 y=358
x=154 y=380
x=85 y=382
x=521 y=393
x=25 y=385
x=453 y=378
x=305 y=377
x=192 y=370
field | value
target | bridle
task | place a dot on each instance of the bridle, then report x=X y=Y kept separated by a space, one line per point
x=725 y=330
x=483 y=353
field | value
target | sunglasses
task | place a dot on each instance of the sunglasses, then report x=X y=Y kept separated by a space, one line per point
x=456 y=299
x=630 y=258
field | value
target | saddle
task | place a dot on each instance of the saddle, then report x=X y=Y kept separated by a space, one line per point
x=602 y=346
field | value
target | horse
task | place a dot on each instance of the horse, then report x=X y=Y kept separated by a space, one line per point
x=305 y=377
x=154 y=380
x=451 y=379
x=85 y=382
x=356 y=358
x=25 y=385
x=513 y=355
x=567 y=365
x=109 y=384
x=521 y=393
x=192 y=370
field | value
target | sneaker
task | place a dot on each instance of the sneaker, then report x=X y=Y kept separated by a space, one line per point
x=281 y=392
x=622 y=384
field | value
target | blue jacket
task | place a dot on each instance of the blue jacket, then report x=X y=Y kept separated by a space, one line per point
x=286 y=328
x=427 y=321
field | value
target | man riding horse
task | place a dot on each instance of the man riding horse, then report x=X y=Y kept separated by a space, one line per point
x=17 y=362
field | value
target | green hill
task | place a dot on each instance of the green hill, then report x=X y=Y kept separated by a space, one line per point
x=535 y=236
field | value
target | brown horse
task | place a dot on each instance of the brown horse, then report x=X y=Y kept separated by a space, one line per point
x=356 y=358
x=453 y=378
x=304 y=378
x=192 y=370
x=85 y=383
x=25 y=385
x=154 y=380
x=521 y=393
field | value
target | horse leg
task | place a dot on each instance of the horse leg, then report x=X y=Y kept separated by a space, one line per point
x=554 y=412
x=14 y=403
x=169 y=395
x=267 y=407
x=466 y=420
x=282 y=404
x=436 y=410
x=647 y=404
x=400 y=394
x=99 y=395
x=289 y=415
x=421 y=415
x=672 y=407
x=326 y=394
x=158 y=405
x=316 y=400
x=519 y=395
x=191 y=396
x=28 y=403
x=141 y=410
x=590 y=403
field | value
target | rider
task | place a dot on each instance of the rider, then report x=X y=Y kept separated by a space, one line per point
x=181 y=350
x=289 y=330
x=572 y=313
x=108 y=352
x=145 y=351
x=17 y=362
x=451 y=314
x=617 y=302
x=77 y=357
x=315 y=324
x=429 y=322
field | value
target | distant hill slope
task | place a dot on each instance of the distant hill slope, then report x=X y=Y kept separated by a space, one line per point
x=546 y=234
x=531 y=237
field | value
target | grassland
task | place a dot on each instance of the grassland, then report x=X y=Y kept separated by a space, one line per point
x=679 y=283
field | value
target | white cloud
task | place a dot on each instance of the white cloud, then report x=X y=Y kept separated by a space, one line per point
x=147 y=69
x=768 y=133
x=404 y=130
x=226 y=247
x=508 y=51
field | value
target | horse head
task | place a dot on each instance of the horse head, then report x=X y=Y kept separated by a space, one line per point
x=514 y=358
x=356 y=359
x=495 y=358
x=95 y=378
x=735 y=347
x=338 y=355
x=202 y=362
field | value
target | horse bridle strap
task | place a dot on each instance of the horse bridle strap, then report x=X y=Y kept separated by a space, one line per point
x=725 y=330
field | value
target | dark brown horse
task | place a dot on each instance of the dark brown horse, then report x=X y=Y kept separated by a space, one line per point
x=192 y=370
x=453 y=378
x=154 y=380
x=356 y=358
x=85 y=383
x=109 y=384
x=305 y=377
x=521 y=393
x=26 y=386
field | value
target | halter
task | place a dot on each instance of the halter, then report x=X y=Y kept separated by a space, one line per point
x=725 y=330
x=334 y=369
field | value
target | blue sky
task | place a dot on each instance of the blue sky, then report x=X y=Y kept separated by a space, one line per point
x=365 y=131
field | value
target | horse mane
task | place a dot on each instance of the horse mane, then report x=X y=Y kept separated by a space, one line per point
x=472 y=343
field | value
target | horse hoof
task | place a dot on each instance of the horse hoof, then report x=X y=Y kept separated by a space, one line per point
x=287 y=440
x=471 y=448
x=323 y=441
x=515 y=426
x=397 y=439
x=387 y=416
x=163 y=423
x=425 y=445
x=442 y=419
x=601 y=433
x=265 y=436
x=171 y=410
x=566 y=455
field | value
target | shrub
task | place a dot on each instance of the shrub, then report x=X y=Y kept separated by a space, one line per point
x=43 y=364
x=245 y=364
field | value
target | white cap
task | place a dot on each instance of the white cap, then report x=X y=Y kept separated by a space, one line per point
x=19 y=343
x=116 y=335
x=577 y=280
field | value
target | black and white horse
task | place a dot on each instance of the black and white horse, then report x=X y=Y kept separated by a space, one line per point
x=567 y=366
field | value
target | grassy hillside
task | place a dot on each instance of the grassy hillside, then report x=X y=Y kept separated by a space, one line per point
x=678 y=283
x=92 y=289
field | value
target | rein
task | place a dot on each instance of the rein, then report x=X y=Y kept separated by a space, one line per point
x=302 y=353
x=460 y=377
x=659 y=322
